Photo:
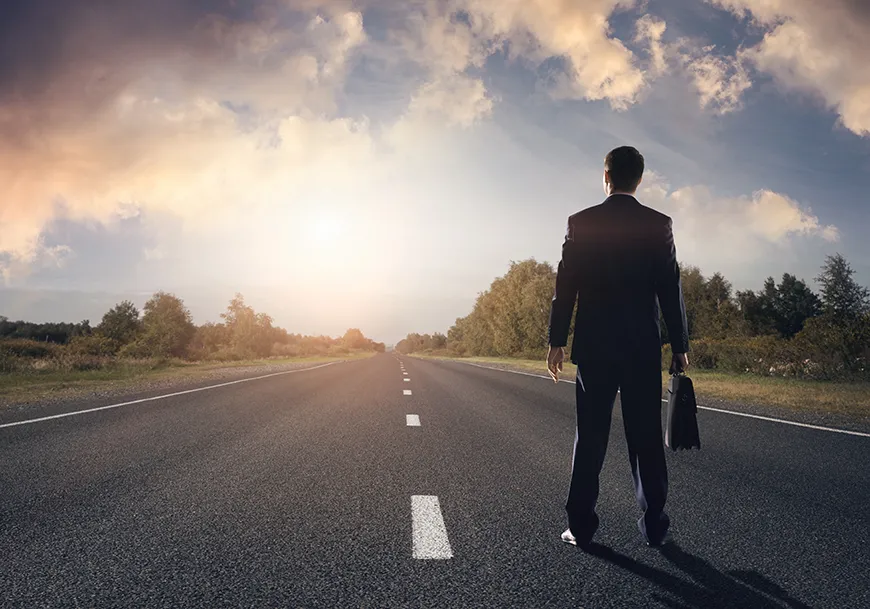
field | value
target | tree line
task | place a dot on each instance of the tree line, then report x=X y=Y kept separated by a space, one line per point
x=785 y=328
x=165 y=329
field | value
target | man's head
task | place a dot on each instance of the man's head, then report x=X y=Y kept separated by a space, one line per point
x=623 y=170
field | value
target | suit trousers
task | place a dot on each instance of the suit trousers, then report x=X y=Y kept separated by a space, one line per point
x=639 y=381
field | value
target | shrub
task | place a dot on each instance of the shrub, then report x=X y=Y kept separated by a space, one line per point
x=25 y=348
x=95 y=344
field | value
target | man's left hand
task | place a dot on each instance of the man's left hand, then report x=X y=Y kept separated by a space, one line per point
x=555 y=357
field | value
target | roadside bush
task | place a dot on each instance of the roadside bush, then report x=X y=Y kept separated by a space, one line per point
x=822 y=352
x=29 y=349
x=286 y=350
x=337 y=350
x=95 y=344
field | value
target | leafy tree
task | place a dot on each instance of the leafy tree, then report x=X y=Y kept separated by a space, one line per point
x=355 y=339
x=757 y=310
x=844 y=301
x=693 y=294
x=121 y=323
x=250 y=333
x=167 y=328
x=795 y=303
x=781 y=309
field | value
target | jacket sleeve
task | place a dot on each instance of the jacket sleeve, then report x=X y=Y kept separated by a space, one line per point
x=565 y=295
x=670 y=291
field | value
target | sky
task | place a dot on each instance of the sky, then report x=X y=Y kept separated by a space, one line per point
x=376 y=164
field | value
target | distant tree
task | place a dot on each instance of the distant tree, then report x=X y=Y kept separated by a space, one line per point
x=758 y=311
x=711 y=310
x=355 y=339
x=167 y=328
x=780 y=309
x=843 y=299
x=250 y=333
x=208 y=339
x=439 y=341
x=693 y=294
x=121 y=323
x=795 y=303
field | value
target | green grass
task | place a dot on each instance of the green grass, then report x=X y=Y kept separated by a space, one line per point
x=852 y=399
x=32 y=385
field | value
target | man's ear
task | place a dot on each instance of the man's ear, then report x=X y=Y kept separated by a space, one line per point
x=639 y=183
x=606 y=177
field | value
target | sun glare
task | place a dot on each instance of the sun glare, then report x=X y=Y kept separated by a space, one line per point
x=325 y=226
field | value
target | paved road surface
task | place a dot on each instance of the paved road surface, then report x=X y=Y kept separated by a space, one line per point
x=296 y=491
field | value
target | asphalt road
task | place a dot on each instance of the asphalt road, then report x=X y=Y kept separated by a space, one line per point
x=296 y=491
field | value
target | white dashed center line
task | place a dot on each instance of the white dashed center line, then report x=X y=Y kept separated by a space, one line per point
x=412 y=420
x=407 y=380
x=427 y=529
x=406 y=392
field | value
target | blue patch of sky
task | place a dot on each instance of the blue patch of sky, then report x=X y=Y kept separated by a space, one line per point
x=91 y=267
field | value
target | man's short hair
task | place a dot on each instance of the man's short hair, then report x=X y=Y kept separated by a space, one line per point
x=625 y=166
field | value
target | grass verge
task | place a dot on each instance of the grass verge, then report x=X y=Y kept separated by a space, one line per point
x=24 y=387
x=850 y=399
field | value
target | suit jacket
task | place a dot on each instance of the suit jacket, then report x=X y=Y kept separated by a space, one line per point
x=619 y=264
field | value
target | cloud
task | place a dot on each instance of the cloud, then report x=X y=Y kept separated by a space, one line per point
x=457 y=98
x=453 y=37
x=650 y=30
x=207 y=115
x=720 y=81
x=733 y=229
x=816 y=47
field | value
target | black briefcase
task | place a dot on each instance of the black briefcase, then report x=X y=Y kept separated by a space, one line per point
x=682 y=427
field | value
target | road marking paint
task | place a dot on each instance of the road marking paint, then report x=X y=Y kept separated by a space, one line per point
x=159 y=397
x=785 y=422
x=405 y=373
x=407 y=380
x=722 y=410
x=406 y=392
x=412 y=420
x=429 y=535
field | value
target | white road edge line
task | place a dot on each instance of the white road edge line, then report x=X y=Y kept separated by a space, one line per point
x=159 y=397
x=406 y=392
x=412 y=420
x=739 y=414
x=429 y=535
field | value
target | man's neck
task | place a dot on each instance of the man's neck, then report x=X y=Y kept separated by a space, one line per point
x=621 y=192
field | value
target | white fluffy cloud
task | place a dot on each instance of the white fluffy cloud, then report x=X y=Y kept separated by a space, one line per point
x=449 y=38
x=719 y=80
x=734 y=229
x=817 y=47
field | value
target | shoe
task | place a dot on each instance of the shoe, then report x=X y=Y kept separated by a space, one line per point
x=568 y=537
x=659 y=540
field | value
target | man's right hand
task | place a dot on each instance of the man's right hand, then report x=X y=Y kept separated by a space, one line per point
x=555 y=357
x=679 y=363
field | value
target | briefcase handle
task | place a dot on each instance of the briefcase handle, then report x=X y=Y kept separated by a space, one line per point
x=674 y=372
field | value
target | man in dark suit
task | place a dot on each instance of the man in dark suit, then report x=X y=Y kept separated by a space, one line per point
x=619 y=264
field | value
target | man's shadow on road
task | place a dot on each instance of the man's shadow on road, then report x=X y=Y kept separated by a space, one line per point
x=706 y=586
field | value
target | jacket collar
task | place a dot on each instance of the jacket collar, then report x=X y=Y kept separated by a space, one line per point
x=621 y=197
